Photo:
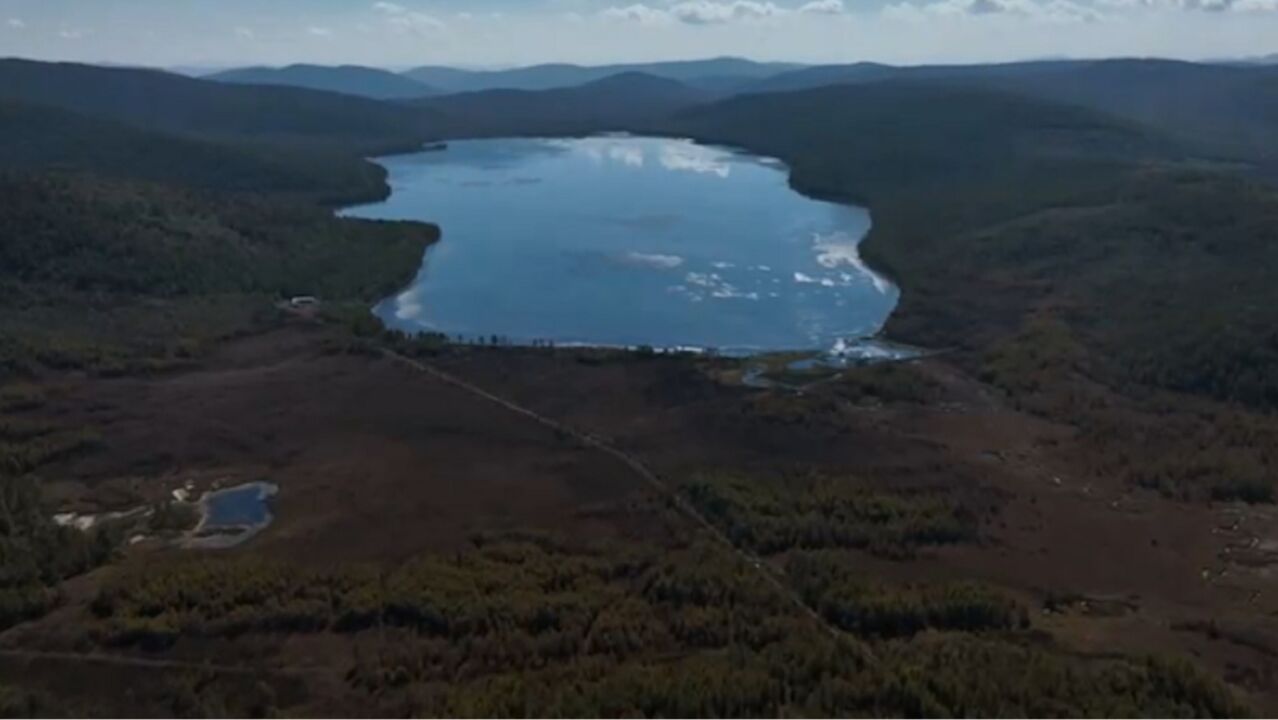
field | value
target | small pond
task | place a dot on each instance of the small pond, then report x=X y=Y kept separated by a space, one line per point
x=232 y=516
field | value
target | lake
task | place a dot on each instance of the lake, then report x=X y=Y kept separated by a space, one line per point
x=629 y=241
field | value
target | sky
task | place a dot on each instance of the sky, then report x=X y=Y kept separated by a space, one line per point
x=501 y=33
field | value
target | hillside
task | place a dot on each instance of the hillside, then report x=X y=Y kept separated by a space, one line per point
x=44 y=138
x=716 y=72
x=619 y=102
x=1222 y=109
x=346 y=79
x=873 y=140
x=183 y=106
x=178 y=243
x=1228 y=110
x=103 y=272
x=1070 y=260
x=883 y=144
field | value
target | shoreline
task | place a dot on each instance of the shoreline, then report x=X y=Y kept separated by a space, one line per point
x=879 y=339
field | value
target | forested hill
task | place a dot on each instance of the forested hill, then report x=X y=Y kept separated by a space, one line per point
x=108 y=274
x=77 y=234
x=179 y=105
x=144 y=210
x=155 y=126
x=873 y=140
x=45 y=138
x=1229 y=110
x=1222 y=108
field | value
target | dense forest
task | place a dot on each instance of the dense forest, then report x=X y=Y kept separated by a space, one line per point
x=35 y=554
x=169 y=268
x=810 y=512
x=526 y=625
x=72 y=233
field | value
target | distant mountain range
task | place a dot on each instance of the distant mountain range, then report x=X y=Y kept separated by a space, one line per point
x=1227 y=108
x=1270 y=59
x=717 y=74
x=347 y=79
x=312 y=142
x=627 y=101
x=721 y=75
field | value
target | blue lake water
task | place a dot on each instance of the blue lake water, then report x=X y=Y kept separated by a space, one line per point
x=239 y=507
x=629 y=241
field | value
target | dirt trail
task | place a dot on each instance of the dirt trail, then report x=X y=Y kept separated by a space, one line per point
x=769 y=574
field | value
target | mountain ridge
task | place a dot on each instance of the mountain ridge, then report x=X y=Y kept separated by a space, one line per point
x=356 y=80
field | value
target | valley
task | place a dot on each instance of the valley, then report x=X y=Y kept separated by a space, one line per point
x=1065 y=509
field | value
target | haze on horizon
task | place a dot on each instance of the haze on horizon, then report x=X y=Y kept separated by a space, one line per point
x=492 y=33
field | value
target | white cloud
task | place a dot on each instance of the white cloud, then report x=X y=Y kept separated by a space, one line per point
x=638 y=13
x=628 y=156
x=16 y=23
x=398 y=32
x=1051 y=11
x=1230 y=5
x=823 y=7
x=403 y=20
x=710 y=12
x=319 y=31
x=244 y=33
x=1207 y=6
x=707 y=12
